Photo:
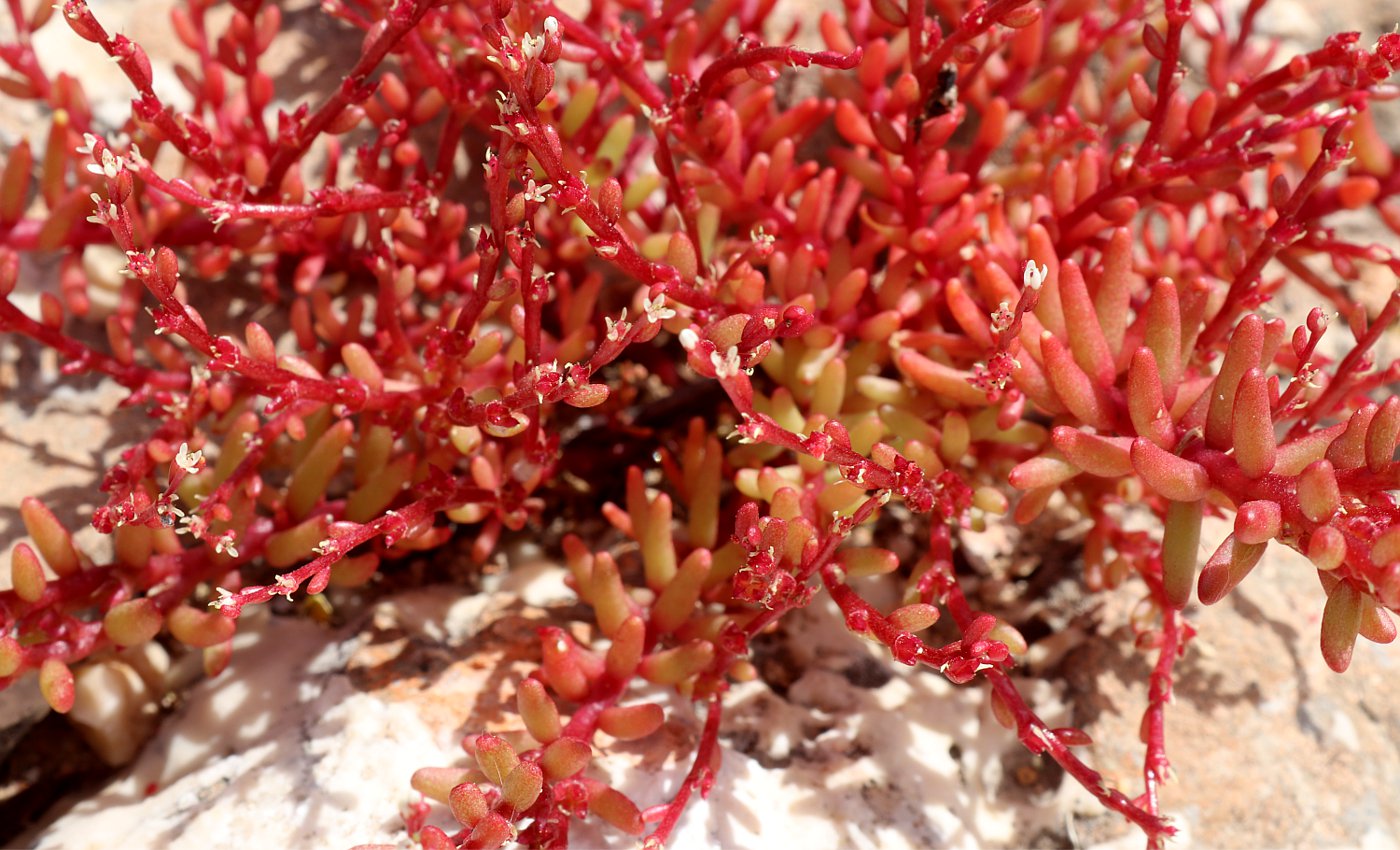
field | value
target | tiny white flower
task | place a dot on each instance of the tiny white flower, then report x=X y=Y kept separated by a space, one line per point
x=531 y=46
x=617 y=330
x=286 y=585
x=1034 y=278
x=657 y=310
x=227 y=544
x=1002 y=317
x=99 y=215
x=551 y=25
x=111 y=165
x=225 y=599
x=689 y=338
x=538 y=193
x=220 y=214
x=507 y=103
x=190 y=462
x=728 y=365
x=192 y=525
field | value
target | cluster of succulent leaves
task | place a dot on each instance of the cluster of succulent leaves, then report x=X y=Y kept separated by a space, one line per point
x=952 y=257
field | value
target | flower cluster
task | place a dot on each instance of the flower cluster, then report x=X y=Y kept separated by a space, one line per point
x=986 y=251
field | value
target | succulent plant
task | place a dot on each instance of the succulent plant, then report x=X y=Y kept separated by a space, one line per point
x=987 y=253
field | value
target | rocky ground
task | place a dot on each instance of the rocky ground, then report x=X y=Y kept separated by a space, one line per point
x=309 y=740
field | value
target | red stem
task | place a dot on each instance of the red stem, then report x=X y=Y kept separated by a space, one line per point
x=700 y=776
x=399 y=23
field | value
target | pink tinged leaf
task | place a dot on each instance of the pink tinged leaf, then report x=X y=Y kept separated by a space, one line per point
x=677 y=600
x=52 y=539
x=864 y=561
x=614 y=807
x=522 y=786
x=1108 y=457
x=56 y=685
x=1086 y=338
x=1116 y=284
x=1294 y=455
x=496 y=757
x=27 y=574
x=11 y=655
x=588 y=395
x=1349 y=450
x=1041 y=249
x=133 y=622
x=914 y=618
x=1181 y=542
x=1043 y=471
x=1170 y=476
x=658 y=548
x=970 y=315
x=1085 y=399
x=1253 y=432
x=565 y=757
x=1147 y=406
x=1032 y=504
x=1327 y=548
x=313 y=475
x=1341 y=621
x=563 y=669
x=1382 y=434
x=538 y=710
x=949 y=384
x=433 y=838
x=1386 y=548
x=200 y=629
x=979 y=628
x=625 y=654
x=1001 y=711
x=468 y=804
x=1030 y=379
x=1071 y=737
x=1162 y=334
x=490 y=832
x=1011 y=636
x=631 y=722
x=1258 y=521
x=675 y=665
x=609 y=598
x=1376 y=623
x=1231 y=562
x=1387 y=588
x=1319 y=496
x=1242 y=355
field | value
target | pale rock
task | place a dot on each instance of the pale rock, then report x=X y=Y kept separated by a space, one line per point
x=114 y=709
x=309 y=739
